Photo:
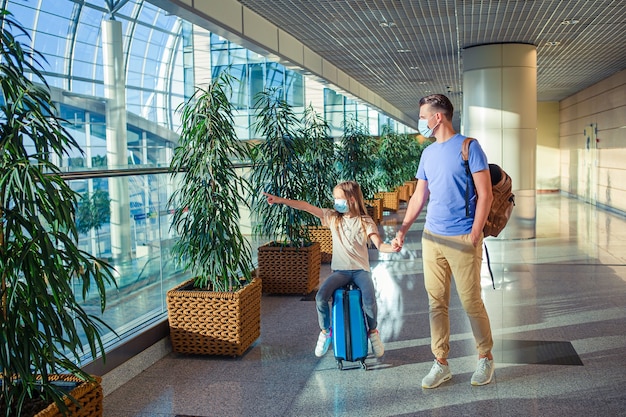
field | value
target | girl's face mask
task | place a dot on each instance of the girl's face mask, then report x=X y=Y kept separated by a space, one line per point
x=341 y=205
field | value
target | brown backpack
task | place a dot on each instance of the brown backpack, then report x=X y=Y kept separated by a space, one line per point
x=503 y=198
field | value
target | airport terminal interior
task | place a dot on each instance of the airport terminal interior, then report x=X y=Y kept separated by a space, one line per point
x=541 y=85
x=557 y=314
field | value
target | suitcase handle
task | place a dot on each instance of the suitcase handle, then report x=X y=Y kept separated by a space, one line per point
x=346 y=315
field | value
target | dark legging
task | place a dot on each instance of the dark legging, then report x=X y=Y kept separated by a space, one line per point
x=338 y=279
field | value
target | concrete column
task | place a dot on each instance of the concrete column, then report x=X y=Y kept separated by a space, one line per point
x=500 y=110
x=117 y=147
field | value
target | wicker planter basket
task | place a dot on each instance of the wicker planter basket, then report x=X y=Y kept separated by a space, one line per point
x=375 y=209
x=373 y=213
x=88 y=394
x=403 y=192
x=391 y=200
x=411 y=185
x=324 y=237
x=214 y=323
x=286 y=270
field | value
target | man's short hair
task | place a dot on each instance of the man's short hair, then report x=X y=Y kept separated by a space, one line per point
x=439 y=103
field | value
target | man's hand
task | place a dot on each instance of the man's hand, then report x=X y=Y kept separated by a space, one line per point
x=397 y=243
x=475 y=238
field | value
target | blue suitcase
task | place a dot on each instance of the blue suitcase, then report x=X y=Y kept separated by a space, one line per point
x=349 y=328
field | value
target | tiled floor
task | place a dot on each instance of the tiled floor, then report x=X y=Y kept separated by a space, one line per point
x=558 y=315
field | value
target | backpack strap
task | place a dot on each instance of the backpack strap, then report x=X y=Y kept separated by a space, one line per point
x=493 y=283
x=465 y=156
x=465 y=148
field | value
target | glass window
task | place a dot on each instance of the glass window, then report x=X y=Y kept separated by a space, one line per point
x=128 y=9
x=219 y=57
x=83 y=69
x=50 y=45
x=218 y=43
x=54 y=22
x=295 y=88
x=148 y=14
x=275 y=75
x=361 y=113
x=90 y=18
x=256 y=81
x=333 y=111
x=138 y=50
x=24 y=13
x=156 y=77
x=239 y=86
x=373 y=122
x=238 y=55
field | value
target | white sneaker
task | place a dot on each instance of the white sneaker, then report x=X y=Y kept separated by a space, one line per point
x=484 y=372
x=377 y=344
x=438 y=374
x=323 y=342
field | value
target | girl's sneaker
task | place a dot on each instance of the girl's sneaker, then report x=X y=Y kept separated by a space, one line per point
x=323 y=342
x=377 y=344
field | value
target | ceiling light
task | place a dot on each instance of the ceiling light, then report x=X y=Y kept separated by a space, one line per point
x=570 y=22
x=553 y=43
x=386 y=24
x=403 y=51
x=414 y=68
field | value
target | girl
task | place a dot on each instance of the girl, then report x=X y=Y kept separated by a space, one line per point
x=350 y=227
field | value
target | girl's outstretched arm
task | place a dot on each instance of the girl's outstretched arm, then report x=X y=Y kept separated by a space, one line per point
x=297 y=204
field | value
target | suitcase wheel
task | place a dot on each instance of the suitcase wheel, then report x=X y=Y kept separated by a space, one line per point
x=339 y=364
x=364 y=365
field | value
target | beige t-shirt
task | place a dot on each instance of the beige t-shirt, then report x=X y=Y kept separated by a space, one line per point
x=350 y=241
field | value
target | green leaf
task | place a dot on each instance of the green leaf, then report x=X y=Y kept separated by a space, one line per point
x=39 y=257
x=209 y=191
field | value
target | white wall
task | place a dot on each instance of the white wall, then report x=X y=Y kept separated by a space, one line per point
x=592 y=132
x=548 y=177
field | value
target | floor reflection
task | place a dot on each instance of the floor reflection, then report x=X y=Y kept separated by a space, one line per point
x=558 y=303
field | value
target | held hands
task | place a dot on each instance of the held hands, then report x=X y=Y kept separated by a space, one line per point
x=393 y=248
x=397 y=243
x=387 y=248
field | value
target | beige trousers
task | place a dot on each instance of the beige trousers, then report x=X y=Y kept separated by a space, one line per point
x=444 y=257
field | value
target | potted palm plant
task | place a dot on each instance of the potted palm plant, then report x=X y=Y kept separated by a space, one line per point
x=290 y=262
x=217 y=312
x=44 y=328
x=356 y=157
x=397 y=161
x=391 y=163
x=414 y=154
x=320 y=174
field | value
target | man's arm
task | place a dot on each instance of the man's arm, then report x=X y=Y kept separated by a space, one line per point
x=413 y=209
x=484 y=198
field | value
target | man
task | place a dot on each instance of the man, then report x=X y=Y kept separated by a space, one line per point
x=452 y=239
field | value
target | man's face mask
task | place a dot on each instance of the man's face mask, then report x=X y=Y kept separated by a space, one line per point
x=422 y=127
x=341 y=205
